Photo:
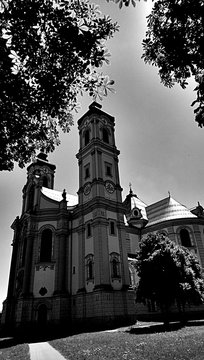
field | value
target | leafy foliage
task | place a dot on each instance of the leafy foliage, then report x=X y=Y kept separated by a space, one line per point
x=124 y=2
x=49 y=54
x=175 y=44
x=168 y=273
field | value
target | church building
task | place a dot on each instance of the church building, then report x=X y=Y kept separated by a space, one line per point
x=70 y=259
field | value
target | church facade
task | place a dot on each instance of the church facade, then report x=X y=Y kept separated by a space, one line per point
x=70 y=259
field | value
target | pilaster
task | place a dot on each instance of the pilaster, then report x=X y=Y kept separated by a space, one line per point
x=60 y=274
x=28 y=265
x=101 y=251
x=81 y=255
x=199 y=243
x=123 y=254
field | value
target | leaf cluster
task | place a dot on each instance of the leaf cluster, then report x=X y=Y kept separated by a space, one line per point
x=168 y=273
x=49 y=54
x=124 y=2
x=175 y=44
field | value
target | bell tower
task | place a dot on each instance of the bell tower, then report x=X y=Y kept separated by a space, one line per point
x=40 y=173
x=102 y=234
x=18 y=306
x=98 y=156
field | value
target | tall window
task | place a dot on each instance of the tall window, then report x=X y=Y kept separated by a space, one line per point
x=115 y=266
x=105 y=136
x=185 y=238
x=86 y=137
x=46 y=246
x=108 y=169
x=89 y=267
x=88 y=230
x=24 y=251
x=31 y=198
x=112 y=227
x=45 y=181
x=87 y=171
x=19 y=282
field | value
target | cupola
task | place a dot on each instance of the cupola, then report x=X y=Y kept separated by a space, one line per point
x=135 y=211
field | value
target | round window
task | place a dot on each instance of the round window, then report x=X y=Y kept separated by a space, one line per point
x=135 y=212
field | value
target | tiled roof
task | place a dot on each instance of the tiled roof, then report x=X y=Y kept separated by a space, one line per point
x=167 y=209
x=72 y=200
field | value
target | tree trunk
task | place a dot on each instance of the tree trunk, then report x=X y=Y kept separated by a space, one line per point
x=181 y=310
x=165 y=314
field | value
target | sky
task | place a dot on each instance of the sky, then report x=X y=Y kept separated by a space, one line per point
x=160 y=144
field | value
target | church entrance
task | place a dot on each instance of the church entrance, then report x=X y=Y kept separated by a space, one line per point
x=42 y=315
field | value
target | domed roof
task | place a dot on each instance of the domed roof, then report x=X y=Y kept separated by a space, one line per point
x=167 y=209
x=135 y=210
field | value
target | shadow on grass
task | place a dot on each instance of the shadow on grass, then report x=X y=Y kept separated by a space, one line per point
x=8 y=342
x=195 y=322
x=43 y=335
x=150 y=329
x=46 y=334
x=158 y=328
x=31 y=337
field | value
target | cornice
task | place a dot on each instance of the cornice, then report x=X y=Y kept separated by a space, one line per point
x=173 y=222
x=95 y=110
x=97 y=144
x=98 y=202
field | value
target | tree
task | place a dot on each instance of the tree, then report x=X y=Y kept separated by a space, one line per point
x=125 y=2
x=168 y=273
x=175 y=44
x=50 y=50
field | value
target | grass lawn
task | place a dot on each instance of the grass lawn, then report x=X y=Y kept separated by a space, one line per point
x=184 y=344
x=17 y=352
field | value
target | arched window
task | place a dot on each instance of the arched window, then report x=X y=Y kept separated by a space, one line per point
x=185 y=238
x=115 y=266
x=105 y=136
x=89 y=267
x=46 y=246
x=86 y=137
x=133 y=277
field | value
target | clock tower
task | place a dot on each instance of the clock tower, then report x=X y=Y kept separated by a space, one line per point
x=101 y=229
x=98 y=157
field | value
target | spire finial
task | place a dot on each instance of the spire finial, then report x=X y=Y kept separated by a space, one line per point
x=169 y=193
x=130 y=186
x=64 y=194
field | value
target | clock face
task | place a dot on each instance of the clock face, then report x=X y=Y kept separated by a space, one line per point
x=110 y=187
x=87 y=189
